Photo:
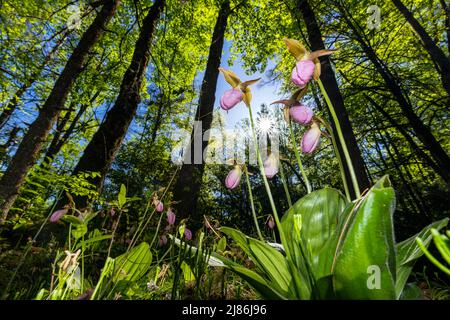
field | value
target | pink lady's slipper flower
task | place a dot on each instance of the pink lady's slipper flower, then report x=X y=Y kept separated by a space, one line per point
x=303 y=73
x=240 y=91
x=58 y=214
x=162 y=241
x=311 y=138
x=308 y=63
x=270 y=223
x=301 y=114
x=187 y=234
x=271 y=166
x=233 y=178
x=170 y=217
x=231 y=98
x=158 y=205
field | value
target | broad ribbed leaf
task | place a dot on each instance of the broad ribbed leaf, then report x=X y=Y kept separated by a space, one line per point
x=266 y=290
x=132 y=265
x=365 y=264
x=408 y=252
x=320 y=213
x=269 y=261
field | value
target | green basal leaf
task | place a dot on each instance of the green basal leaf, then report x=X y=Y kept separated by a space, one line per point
x=365 y=264
x=320 y=212
x=269 y=261
x=222 y=244
x=122 y=198
x=133 y=265
x=188 y=275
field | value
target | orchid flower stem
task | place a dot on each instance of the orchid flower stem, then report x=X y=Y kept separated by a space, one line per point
x=297 y=155
x=83 y=247
x=250 y=193
x=286 y=189
x=341 y=139
x=266 y=183
x=338 y=156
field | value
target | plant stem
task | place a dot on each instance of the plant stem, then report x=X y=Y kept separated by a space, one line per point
x=300 y=165
x=338 y=156
x=266 y=183
x=82 y=264
x=286 y=189
x=341 y=139
x=252 y=203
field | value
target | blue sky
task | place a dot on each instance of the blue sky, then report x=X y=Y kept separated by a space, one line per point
x=261 y=94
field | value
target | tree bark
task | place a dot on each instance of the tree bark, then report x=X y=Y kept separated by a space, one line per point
x=34 y=139
x=422 y=132
x=445 y=175
x=104 y=145
x=187 y=187
x=436 y=54
x=4 y=147
x=330 y=84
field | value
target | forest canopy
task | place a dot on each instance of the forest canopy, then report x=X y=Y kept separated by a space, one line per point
x=148 y=146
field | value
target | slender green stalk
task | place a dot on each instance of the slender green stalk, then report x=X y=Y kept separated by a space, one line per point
x=106 y=270
x=157 y=230
x=338 y=156
x=286 y=189
x=341 y=139
x=300 y=165
x=82 y=264
x=266 y=183
x=431 y=258
x=250 y=193
x=113 y=234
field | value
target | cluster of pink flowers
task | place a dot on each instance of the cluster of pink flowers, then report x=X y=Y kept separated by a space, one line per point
x=301 y=75
x=306 y=68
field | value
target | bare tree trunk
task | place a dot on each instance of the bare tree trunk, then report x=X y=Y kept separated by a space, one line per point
x=187 y=187
x=330 y=84
x=422 y=132
x=436 y=54
x=33 y=140
x=58 y=141
x=4 y=147
x=445 y=175
x=104 y=145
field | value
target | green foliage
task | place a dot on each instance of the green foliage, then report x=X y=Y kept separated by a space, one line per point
x=358 y=237
x=442 y=243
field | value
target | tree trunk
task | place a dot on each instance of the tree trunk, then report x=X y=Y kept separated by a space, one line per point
x=11 y=106
x=436 y=54
x=102 y=149
x=330 y=84
x=422 y=132
x=187 y=186
x=58 y=140
x=445 y=175
x=11 y=140
x=32 y=142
